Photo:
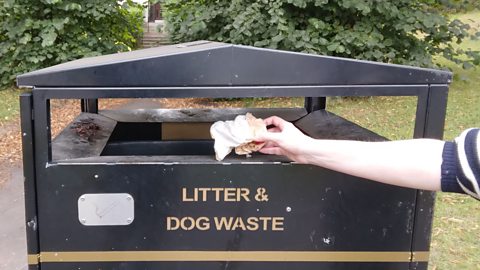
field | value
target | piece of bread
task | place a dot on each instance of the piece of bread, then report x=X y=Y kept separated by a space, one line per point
x=257 y=126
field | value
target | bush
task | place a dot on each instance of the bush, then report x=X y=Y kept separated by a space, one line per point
x=458 y=5
x=41 y=33
x=393 y=31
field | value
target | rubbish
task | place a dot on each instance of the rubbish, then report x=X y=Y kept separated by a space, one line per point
x=237 y=134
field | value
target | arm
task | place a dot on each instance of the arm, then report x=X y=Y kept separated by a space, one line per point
x=410 y=163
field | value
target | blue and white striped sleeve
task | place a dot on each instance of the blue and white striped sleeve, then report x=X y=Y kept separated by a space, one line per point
x=461 y=164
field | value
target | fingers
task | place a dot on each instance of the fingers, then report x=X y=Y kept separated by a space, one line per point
x=274 y=129
x=268 y=136
x=270 y=144
x=275 y=121
x=274 y=133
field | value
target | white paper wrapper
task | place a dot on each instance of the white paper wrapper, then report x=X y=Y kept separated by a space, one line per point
x=237 y=134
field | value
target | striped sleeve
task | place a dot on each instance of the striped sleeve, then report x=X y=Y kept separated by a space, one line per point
x=461 y=164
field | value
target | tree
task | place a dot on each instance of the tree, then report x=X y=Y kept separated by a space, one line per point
x=408 y=32
x=41 y=33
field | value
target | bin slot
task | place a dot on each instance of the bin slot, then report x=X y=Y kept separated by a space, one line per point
x=199 y=115
x=136 y=132
x=130 y=131
x=186 y=131
x=158 y=148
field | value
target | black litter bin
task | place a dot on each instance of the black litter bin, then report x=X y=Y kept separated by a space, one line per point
x=143 y=190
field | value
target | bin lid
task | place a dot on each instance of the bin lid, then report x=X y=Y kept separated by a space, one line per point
x=205 y=63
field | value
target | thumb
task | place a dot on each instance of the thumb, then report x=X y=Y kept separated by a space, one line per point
x=272 y=151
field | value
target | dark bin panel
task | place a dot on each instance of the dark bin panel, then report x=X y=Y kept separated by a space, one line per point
x=30 y=191
x=256 y=66
x=203 y=65
x=322 y=210
x=219 y=64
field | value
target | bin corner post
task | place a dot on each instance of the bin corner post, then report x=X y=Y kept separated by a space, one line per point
x=89 y=105
x=433 y=125
x=28 y=153
x=315 y=103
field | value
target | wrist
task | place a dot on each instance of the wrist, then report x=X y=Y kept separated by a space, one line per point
x=308 y=149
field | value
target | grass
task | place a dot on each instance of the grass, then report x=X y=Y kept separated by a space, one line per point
x=9 y=106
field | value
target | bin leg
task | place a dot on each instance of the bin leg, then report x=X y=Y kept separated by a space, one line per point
x=33 y=249
x=430 y=126
x=89 y=105
x=315 y=103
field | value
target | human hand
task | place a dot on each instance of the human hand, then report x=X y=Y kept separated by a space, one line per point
x=285 y=139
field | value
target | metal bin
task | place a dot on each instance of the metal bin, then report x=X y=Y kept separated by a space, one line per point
x=143 y=191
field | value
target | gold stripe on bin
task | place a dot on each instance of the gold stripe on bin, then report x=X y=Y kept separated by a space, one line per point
x=420 y=256
x=250 y=256
x=33 y=259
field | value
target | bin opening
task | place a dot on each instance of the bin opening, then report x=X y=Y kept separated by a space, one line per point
x=112 y=139
x=158 y=134
x=159 y=139
x=136 y=132
x=159 y=148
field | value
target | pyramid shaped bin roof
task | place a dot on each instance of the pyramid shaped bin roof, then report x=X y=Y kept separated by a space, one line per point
x=213 y=64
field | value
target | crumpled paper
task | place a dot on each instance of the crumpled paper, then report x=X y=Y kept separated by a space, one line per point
x=237 y=134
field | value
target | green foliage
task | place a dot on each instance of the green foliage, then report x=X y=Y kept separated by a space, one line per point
x=391 y=31
x=458 y=5
x=41 y=33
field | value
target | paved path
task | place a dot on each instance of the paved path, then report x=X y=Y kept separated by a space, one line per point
x=13 y=246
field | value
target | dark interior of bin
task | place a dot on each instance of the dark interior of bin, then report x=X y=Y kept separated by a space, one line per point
x=144 y=139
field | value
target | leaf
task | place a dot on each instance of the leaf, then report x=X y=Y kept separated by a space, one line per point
x=278 y=38
x=319 y=3
x=322 y=41
x=318 y=24
x=332 y=47
x=48 y=38
x=428 y=22
x=52 y=2
x=58 y=23
x=74 y=6
x=261 y=43
x=33 y=59
x=25 y=39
